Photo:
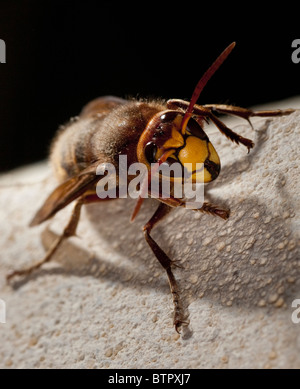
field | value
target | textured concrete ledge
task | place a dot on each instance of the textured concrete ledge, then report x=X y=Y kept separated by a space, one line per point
x=104 y=301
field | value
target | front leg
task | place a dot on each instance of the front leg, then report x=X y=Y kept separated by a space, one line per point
x=241 y=112
x=206 y=112
x=214 y=210
x=164 y=208
x=166 y=263
x=211 y=209
x=247 y=113
x=233 y=136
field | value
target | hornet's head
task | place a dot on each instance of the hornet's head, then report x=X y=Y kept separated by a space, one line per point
x=187 y=144
x=175 y=136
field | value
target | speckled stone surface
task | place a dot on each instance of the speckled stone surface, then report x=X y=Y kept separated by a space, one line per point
x=104 y=301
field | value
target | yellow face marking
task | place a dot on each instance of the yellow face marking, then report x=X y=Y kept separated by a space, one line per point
x=185 y=122
x=174 y=157
x=175 y=141
x=158 y=154
x=201 y=176
x=213 y=154
x=177 y=121
x=195 y=151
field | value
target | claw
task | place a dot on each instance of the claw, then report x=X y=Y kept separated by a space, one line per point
x=178 y=324
x=18 y=273
x=11 y=275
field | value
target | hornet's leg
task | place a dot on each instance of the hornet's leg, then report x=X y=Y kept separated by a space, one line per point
x=164 y=208
x=205 y=112
x=70 y=230
x=247 y=113
x=166 y=263
x=211 y=209
x=214 y=210
x=233 y=136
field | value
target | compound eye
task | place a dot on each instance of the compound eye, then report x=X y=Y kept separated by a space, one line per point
x=150 y=152
x=168 y=116
x=195 y=129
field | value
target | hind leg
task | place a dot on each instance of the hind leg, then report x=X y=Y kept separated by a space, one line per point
x=70 y=230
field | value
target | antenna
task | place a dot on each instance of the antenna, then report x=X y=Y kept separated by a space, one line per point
x=202 y=82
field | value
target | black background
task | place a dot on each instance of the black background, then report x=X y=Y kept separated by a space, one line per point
x=60 y=55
